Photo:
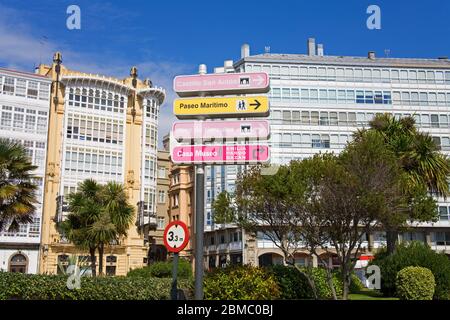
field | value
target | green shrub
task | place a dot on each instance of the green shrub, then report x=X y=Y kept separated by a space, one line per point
x=163 y=270
x=414 y=254
x=240 y=283
x=53 y=287
x=415 y=283
x=293 y=284
x=356 y=284
x=321 y=283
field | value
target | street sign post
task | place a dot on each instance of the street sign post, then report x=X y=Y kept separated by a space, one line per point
x=203 y=105
x=221 y=83
x=220 y=154
x=176 y=237
x=221 y=107
x=205 y=130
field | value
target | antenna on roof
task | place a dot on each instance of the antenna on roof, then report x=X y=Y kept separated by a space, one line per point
x=387 y=52
x=267 y=49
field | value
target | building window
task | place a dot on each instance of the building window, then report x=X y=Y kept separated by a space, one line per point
x=161 y=196
x=161 y=172
x=161 y=222
x=443 y=213
x=110 y=270
x=441 y=238
x=32 y=91
x=63 y=263
x=8 y=86
x=18 y=263
x=176 y=178
x=111 y=262
x=175 y=199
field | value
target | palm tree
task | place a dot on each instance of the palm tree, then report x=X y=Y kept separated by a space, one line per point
x=117 y=217
x=17 y=188
x=85 y=210
x=425 y=168
x=99 y=215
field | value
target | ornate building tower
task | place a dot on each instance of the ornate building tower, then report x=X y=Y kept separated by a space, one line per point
x=105 y=129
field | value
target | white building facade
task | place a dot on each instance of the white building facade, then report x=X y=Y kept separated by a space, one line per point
x=318 y=101
x=24 y=103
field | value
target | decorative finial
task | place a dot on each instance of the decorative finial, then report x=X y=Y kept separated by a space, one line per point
x=57 y=57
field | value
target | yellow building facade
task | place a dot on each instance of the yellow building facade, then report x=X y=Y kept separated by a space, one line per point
x=105 y=129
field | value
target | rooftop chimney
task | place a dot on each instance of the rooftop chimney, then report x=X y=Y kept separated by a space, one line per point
x=202 y=69
x=245 y=50
x=311 y=47
x=228 y=66
x=219 y=70
x=320 y=50
x=371 y=55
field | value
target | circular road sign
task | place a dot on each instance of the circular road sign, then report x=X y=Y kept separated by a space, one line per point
x=176 y=236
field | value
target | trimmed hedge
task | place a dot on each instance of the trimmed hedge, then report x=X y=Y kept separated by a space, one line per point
x=240 y=283
x=163 y=270
x=53 y=287
x=414 y=254
x=415 y=283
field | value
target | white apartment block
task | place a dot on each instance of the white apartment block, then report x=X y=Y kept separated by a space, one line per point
x=24 y=103
x=317 y=102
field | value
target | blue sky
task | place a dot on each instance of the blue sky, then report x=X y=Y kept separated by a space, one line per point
x=166 y=38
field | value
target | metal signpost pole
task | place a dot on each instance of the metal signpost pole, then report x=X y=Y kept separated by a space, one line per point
x=199 y=228
x=199 y=219
x=176 y=238
x=174 y=291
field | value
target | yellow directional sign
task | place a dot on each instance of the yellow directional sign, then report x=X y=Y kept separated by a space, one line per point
x=221 y=107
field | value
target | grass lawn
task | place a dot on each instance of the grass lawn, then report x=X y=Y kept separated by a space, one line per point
x=367 y=294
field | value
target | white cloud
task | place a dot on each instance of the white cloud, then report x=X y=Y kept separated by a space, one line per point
x=21 y=49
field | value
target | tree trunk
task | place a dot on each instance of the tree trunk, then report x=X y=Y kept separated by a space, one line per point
x=345 y=282
x=101 y=249
x=329 y=272
x=391 y=240
x=92 y=253
x=331 y=284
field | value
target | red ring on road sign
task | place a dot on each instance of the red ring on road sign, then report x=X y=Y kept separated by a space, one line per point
x=186 y=237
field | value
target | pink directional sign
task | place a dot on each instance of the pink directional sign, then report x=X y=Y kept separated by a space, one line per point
x=221 y=129
x=220 y=154
x=222 y=83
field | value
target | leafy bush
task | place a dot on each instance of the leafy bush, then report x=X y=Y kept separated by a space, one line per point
x=414 y=254
x=240 y=283
x=415 y=283
x=53 y=287
x=321 y=283
x=163 y=270
x=356 y=284
x=292 y=283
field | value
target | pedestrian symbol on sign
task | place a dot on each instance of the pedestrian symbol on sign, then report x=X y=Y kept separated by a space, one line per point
x=240 y=105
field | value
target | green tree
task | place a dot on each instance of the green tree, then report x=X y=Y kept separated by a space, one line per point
x=224 y=211
x=117 y=216
x=85 y=210
x=99 y=216
x=17 y=188
x=426 y=170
